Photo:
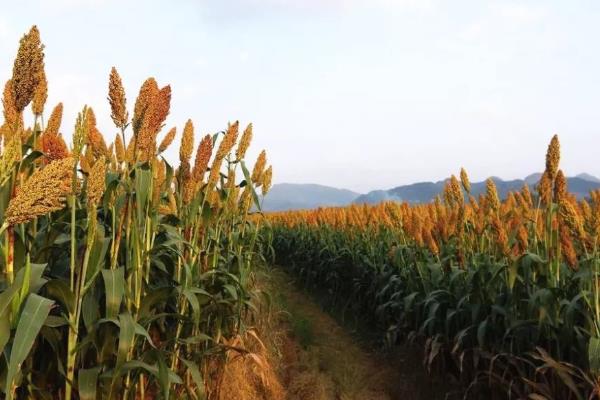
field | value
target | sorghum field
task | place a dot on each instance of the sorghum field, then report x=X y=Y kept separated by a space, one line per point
x=126 y=277
x=502 y=295
x=122 y=276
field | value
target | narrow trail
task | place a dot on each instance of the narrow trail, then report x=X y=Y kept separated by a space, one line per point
x=321 y=360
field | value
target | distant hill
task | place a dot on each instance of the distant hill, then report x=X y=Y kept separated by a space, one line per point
x=288 y=196
x=533 y=178
x=588 y=177
x=424 y=192
x=293 y=196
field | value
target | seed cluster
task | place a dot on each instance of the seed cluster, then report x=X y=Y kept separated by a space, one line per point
x=44 y=192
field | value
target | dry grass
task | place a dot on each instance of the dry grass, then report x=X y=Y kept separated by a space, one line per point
x=250 y=375
x=317 y=359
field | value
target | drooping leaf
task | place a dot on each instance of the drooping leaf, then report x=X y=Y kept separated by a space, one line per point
x=32 y=318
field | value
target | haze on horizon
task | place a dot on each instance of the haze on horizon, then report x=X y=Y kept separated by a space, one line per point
x=356 y=94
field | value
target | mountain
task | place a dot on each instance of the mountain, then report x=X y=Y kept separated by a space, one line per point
x=293 y=196
x=289 y=196
x=533 y=178
x=588 y=177
x=424 y=192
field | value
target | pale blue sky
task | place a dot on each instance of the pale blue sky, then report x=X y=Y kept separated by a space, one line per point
x=356 y=94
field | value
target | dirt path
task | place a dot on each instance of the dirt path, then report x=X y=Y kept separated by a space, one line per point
x=320 y=360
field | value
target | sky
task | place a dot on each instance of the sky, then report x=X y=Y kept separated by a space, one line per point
x=356 y=94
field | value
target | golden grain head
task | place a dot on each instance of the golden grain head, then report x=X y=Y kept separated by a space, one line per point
x=27 y=68
x=147 y=93
x=266 y=180
x=119 y=148
x=560 y=187
x=259 y=167
x=167 y=140
x=159 y=175
x=501 y=237
x=202 y=158
x=117 y=100
x=571 y=217
x=544 y=188
x=12 y=117
x=448 y=197
x=430 y=242
x=457 y=193
x=173 y=209
x=228 y=141
x=245 y=200
x=80 y=133
x=245 y=141
x=161 y=108
x=553 y=157
x=152 y=120
x=522 y=239
x=96 y=182
x=586 y=209
x=130 y=151
x=55 y=120
x=187 y=184
x=40 y=95
x=96 y=142
x=90 y=118
x=491 y=195
x=54 y=147
x=232 y=198
x=464 y=179
x=187 y=142
x=567 y=248
x=215 y=172
x=45 y=191
x=10 y=154
x=526 y=195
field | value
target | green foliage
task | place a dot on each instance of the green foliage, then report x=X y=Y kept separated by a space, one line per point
x=464 y=315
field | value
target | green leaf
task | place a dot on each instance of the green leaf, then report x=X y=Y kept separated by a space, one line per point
x=136 y=364
x=143 y=183
x=55 y=321
x=4 y=331
x=90 y=309
x=32 y=318
x=594 y=355
x=193 y=300
x=6 y=298
x=231 y=290
x=26 y=281
x=140 y=330
x=126 y=336
x=114 y=284
x=88 y=381
x=163 y=376
x=59 y=290
x=197 y=339
x=97 y=254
